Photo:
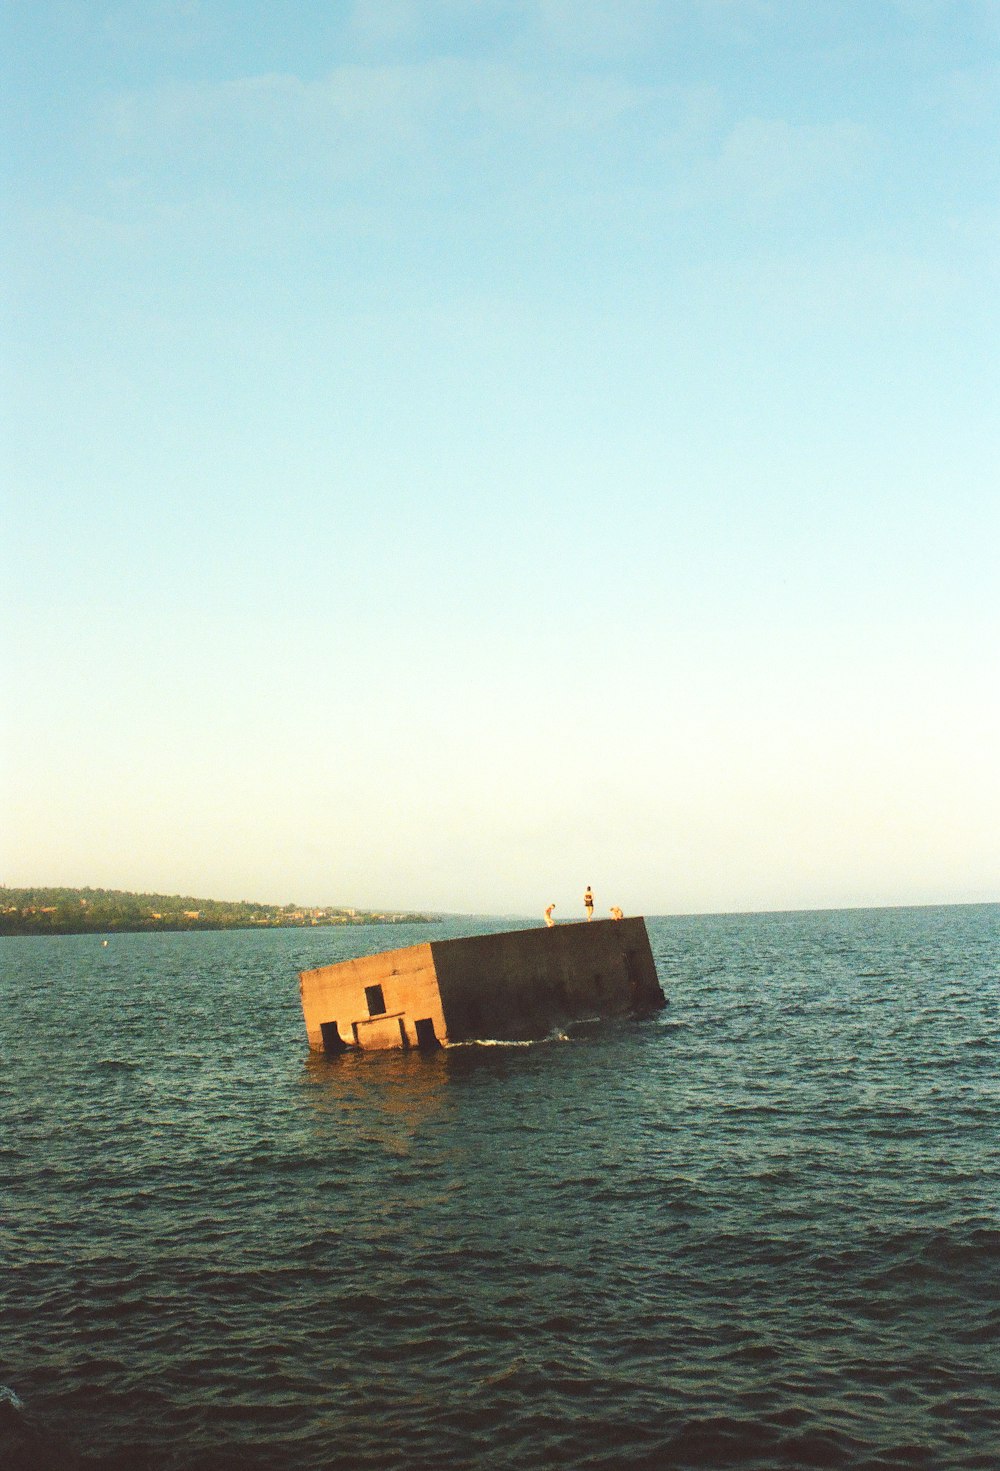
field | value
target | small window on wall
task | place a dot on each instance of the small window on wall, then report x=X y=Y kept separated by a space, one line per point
x=375 y=999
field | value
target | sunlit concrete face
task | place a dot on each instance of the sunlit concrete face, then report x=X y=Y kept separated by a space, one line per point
x=373 y=1002
x=512 y=986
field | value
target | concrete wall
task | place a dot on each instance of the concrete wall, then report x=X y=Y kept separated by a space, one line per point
x=337 y=993
x=523 y=983
x=516 y=985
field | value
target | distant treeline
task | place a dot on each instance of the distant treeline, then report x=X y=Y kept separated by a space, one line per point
x=85 y=911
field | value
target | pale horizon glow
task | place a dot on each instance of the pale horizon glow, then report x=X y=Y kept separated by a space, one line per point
x=458 y=451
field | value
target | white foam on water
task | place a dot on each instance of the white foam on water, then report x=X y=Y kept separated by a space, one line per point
x=508 y=1042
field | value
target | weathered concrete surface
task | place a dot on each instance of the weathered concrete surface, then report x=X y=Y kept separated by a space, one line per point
x=512 y=986
x=337 y=993
x=523 y=983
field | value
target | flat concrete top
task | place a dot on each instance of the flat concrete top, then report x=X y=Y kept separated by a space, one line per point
x=569 y=924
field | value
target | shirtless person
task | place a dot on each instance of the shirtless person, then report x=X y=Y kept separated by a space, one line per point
x=588 y=903
x=548 y=915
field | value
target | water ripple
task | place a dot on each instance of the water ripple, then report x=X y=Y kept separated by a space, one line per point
x=758 y=1231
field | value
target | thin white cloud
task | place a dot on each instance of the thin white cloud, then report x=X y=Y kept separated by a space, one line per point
x=358 y=112
x=378 y=22
x=970 y=96
x=390 y=22
x=592 y=25
x=600 y=27
x=179 y=25
x=767 y=158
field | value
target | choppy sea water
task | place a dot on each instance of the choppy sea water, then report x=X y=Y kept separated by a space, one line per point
x=760 y=1230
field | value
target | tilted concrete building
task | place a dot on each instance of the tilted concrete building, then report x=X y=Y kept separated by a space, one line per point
x=513 y=986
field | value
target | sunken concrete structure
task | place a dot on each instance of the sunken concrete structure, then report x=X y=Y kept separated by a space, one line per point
x=514 y=986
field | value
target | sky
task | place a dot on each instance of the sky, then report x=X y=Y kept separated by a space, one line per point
x=459 y=451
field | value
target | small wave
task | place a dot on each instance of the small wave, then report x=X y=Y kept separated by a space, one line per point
x=510 y=1042
x=504 y=1375
x=723 y=1439
x=773 y=1176
x=960 y=1246
x=8 y=1397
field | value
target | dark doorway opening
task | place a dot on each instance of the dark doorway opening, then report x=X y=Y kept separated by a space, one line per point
x=332 y=1040
x=375 y=999
x=425 y=1034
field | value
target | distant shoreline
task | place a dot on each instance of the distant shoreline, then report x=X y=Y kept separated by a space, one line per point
x=8 y=931
x=59 y=911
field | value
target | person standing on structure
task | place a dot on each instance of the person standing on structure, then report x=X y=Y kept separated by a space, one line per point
x=588 y=903
x=548 y=915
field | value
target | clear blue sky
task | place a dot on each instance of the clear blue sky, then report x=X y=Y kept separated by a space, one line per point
x=458 y=451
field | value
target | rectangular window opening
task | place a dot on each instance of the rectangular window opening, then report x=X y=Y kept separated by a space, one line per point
x=375 y=999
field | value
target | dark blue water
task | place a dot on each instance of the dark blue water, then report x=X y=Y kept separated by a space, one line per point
x=760 y=1230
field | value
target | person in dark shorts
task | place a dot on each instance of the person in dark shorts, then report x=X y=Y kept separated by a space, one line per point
x=588 y=902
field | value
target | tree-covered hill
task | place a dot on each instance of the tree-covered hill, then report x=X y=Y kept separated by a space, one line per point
x=81 y=911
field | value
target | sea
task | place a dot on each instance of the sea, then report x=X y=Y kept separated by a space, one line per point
x=759 y=1230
